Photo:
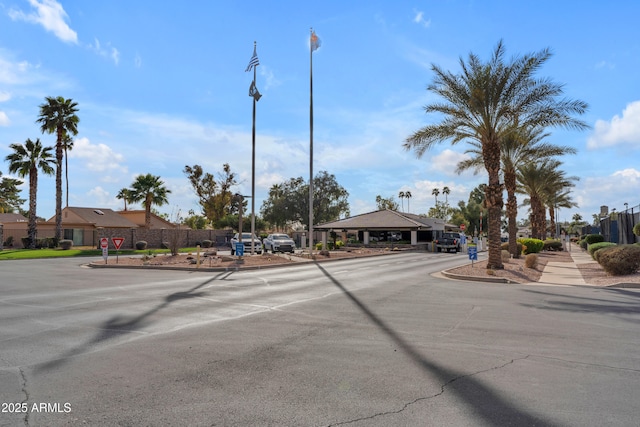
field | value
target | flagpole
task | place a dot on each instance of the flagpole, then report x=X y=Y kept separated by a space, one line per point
x=253 y=164
x=311 y=147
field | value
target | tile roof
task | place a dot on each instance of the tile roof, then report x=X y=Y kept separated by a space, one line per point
x=381 y=219
x=99 y=217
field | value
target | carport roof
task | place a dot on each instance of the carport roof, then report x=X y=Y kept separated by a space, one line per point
x=379 y=220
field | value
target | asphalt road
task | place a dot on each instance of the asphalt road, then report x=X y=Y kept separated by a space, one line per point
x=368 y=342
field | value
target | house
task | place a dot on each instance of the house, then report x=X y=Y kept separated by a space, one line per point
x=83 y=225
x=138 y=217
x=388 y=225
x=13 y=227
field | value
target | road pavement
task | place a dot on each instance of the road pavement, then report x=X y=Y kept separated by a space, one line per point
x=366 y=342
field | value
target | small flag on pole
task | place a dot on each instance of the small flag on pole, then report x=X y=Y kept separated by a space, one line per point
x=253 y=62
x=253 y=91
x=315 y=41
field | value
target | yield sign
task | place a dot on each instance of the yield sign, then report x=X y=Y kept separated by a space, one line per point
x=117 y=241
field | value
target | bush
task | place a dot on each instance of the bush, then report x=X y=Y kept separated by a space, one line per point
x=207 y=243
x=620 y=259
x=583 y=244
x=593 y=248
x=25 y=242
x=552 y=245
x=531 y=246
x=505 y=247
x=141 y=245
x=531 y=260
x=636 y=229
x=66 y=244
x=506 y=256
x=9 y=241
x=593 y=238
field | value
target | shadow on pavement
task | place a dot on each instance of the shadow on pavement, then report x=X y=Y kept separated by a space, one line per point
x=485 y=402
x=118 y=326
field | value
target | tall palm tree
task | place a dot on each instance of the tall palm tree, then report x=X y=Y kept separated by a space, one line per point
x=26 y=160
x=124 y=194
x=485 y=103
x=58 y=115
x=67 y=144
x=558 y=199
x=150 y=190
x=408 y=195
x=435 y=193
x=446 y=191
x=402 y=195
x=520 y=147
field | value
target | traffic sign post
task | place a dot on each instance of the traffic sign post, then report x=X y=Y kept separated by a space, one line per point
x=240 y=249
x=117 y=242
x=473 y=253
x=104 y=244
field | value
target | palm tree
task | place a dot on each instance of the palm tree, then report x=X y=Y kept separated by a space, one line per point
x=485 y=103
x=124 y=194
x=26 y=160
x=67 y=145
x=149 y=190
x=560 y=198
x=407 y=195
x=58 y=115
x=518 y=148
x=435 y=192
x=402 y=195
x=446 y=191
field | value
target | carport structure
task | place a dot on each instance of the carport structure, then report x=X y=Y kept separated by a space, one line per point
x=414 y=228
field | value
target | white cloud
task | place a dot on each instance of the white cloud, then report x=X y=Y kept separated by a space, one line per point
x=51 y=16
x=97 y=158
x=419 y=19
x=4 y=119
x=5 y=96
x=447 y=161
x=107 y=51
x=618 y=130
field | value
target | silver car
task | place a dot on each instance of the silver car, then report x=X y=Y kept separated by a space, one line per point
x=279 y=243
x=246 y=241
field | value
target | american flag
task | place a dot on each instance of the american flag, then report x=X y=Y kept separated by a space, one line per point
x=315 y=41
x=253 y=62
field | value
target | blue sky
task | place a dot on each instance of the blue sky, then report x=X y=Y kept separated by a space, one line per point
x=161 y=85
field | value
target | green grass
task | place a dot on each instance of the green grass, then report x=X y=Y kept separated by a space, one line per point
x=8 y=254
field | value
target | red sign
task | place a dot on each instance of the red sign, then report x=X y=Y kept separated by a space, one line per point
x=104 y=243
x=117 y=241
x=463 y=227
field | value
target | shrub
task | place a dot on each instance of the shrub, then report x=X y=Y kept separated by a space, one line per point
x=552 y=245
x=593 y=248
x=66 y=244
x=164 y=245
x=620 y=259
x=506 y=256
x=207 y=243
x=531 y=261
x=583 y=244
x=25 y=242
x=141 y=245
x=9 y=241
x=593 y=238
x=505 y=247
x=531 y=246
x=319 y=246
x=636 y=229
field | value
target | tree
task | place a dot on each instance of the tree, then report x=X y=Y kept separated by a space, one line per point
x=125 y=195
x=383 y=203
x=58 y=115
x=67 y=145
x=291 y=202
x=520 y=147
x=214 y=195
x=408 y=195
x=485 y=103
x=401 y=195
x=446 y=191
x=27 y=160
x=10 y=200
x=150 y=190
x=435 y=192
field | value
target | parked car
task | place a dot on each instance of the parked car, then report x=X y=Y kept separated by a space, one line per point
x=449 y=242
x=246 y=241
x=279 y=243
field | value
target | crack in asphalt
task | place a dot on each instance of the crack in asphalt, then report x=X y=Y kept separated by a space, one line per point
x=420 y=399
x=26 y=394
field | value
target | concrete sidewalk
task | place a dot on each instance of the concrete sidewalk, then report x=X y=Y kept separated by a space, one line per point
x=566 y=273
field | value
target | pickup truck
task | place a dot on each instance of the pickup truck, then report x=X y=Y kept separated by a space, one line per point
x=449 y=242
x=246 y=241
